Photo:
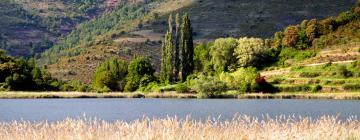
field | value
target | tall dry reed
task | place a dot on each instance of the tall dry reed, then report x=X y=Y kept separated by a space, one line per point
x=240 y=128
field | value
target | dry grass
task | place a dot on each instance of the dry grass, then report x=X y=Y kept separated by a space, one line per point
x=242 y=127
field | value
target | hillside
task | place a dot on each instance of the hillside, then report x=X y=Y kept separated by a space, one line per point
x=116 y=35
x=29 y=27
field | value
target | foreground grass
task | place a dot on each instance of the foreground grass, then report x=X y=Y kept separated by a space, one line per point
x=300 y=95
x=242 y=127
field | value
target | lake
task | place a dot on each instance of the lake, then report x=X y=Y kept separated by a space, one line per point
x=132 y=109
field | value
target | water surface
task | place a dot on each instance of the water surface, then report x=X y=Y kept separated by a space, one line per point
x=132 y=109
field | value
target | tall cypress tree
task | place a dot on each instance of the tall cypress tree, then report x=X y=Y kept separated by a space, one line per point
x=177 y=51
x=177 y=48
x=167 y=54
x=163 y=64
x=187 y=48
x=170 y=50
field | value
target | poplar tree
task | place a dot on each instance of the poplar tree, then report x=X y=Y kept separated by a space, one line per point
x=177 y=51
x=187 y=48
x=177 y=48
x=170 y=50
x=167 y=54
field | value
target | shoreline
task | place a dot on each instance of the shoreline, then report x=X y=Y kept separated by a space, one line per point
x=174 y=95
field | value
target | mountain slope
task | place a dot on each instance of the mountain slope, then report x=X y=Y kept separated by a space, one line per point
x=30 y=26
x=140 y=31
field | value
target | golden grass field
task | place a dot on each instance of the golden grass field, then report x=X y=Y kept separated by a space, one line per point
x=240 y=128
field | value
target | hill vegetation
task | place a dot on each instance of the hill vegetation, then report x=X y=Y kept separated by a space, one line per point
x=231 y=66
x=29 y=27
x=137 y=29
x=300 y=58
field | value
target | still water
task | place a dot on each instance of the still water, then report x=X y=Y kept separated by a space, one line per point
x=132 y=109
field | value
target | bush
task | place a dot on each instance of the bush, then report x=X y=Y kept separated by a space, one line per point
x=291 y=53
x=150 y=87
x=277 y=80
x=264 y=86
x=295 y=88
x=352 y=87
x=316 y=88
x=74 y=86
x=243 y=79
x=342 y=71
x=111 y=74
x=309 y=74
x=181 y=88
x=139 y=68
x=208 y=87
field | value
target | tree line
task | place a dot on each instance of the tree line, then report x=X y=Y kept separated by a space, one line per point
x=177 y=51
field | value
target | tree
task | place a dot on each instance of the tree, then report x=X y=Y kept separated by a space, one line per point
x=291 y=36
x=243 y=79
x=187 y=48
x=138 y=68
x=177 y=48
x=167 y=54
x=177 y=51
x=202 y=58
x=111 y=74
x=222 y=54
x=312 y=30
x=278 y=36
x=251 y=52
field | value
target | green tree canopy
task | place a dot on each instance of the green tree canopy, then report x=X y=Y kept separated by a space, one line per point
x=222 y=54
x=251 y=52
x=138 y=68
x=111 y=74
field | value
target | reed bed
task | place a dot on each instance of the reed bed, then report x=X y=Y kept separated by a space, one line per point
x=242 y=127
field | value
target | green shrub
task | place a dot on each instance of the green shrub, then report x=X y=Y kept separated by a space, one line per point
x=243 y=79
x=151 y=87
x=277 y=80
x=316 y=88
x=314 y=81
x=167 y=88
x=73 y=86
x=208 y=87
x=352 y=87
x=146 y=79
x=309 y=74
x=138 y=68
x=181 y=88
x=111 y=74
x=292 y=53
x=295 y=88
x=342 y=71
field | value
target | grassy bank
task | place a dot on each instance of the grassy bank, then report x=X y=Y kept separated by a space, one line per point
x=333 y=96
x=242 y=127
x=50 y=95
x=35 y=95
